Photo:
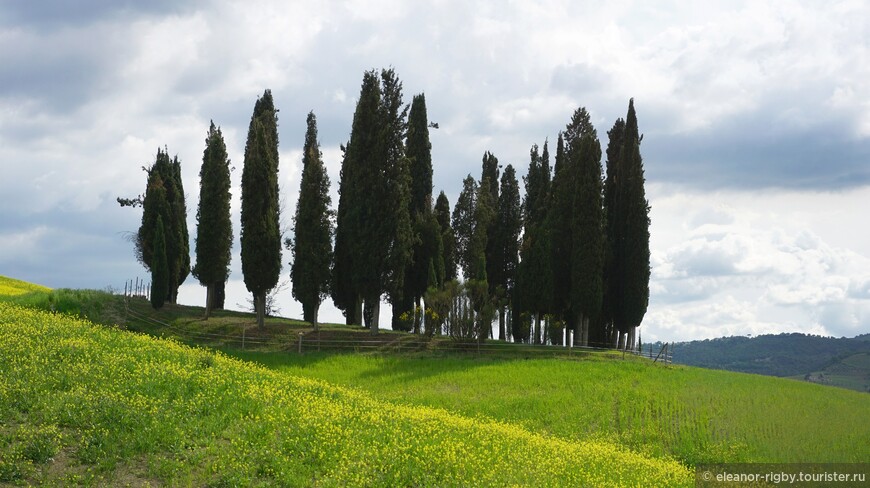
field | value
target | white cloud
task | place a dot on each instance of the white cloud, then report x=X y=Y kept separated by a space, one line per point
x=737 y=269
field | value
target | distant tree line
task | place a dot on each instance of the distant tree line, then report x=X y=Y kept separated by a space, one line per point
x=569 y=259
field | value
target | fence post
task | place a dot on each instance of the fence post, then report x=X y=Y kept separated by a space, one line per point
x=300 y=341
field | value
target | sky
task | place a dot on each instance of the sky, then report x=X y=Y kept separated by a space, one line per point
x=755 y=115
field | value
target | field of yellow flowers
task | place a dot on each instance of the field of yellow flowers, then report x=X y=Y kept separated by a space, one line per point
x=84 y=404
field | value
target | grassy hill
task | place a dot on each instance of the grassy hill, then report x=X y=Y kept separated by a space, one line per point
x=825 y=360
x=83 y=404
x=88 y=404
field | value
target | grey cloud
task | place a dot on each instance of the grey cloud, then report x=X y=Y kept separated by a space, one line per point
x=745 y=153
x=45 y=14
x=579 y=78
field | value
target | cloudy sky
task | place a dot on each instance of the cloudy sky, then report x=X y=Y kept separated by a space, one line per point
x=756 y=118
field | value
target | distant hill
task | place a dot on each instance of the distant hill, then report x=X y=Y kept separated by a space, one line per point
x=841 y=362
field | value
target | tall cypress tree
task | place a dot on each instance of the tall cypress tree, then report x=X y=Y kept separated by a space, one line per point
x=214 y=238
x=463 y=226
x=489 y=174
x=587 y=263
x=362 y=146
x=174 y=214
x=419 y=153
x=312 y=244
x=534 y=279
x=611 y=266
x=374 y=223
x=179 y=265
x=398 y=238
x=631 y=236
x=261 y=233
x=562 y=217
x=508 y=226
x=448 y=240
x=159 y=267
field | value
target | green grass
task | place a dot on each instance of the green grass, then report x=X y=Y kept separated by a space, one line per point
x=693 y=414
x=96 y=305
x=83 y=404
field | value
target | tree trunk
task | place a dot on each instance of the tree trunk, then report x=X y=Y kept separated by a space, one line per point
x=375 y=311
x=501 y=324
x=585 y=332
x=209 y=299
x=578 y=330
x=417 y=318
x=220 y=295
x=260 y=306
x=537 y=331
x=620 y=344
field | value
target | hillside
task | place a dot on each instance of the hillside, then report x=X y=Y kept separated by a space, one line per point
x=827 y=360
x=85 y=404
x=103 y=405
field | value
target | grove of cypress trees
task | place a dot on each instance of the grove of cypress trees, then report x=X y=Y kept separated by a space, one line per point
x=214 y=237
x=261 y=233
x=312 y=226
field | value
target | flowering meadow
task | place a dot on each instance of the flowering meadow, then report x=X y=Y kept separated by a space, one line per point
x=83 y=404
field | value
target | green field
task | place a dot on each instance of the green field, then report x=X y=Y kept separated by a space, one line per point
x=86 y=404
x=693 y=414
x=91 y=405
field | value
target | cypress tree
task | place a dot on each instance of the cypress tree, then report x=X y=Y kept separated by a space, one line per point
x=397 y=239
x=588 y=235
x=179 y=245
x=214 y=237
x=159 y=267
x=312 y=243
x=345 y=290
x=442 y=214
x=374 y=223
x=631 y=239
x=562 y=217
x=463 y=226
x=508 y=226
x=174 y=213
x=419 y=154
x=489 y=174
x=341 y=288
x=612 y=267
x=261 y=234
x=534 y=278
